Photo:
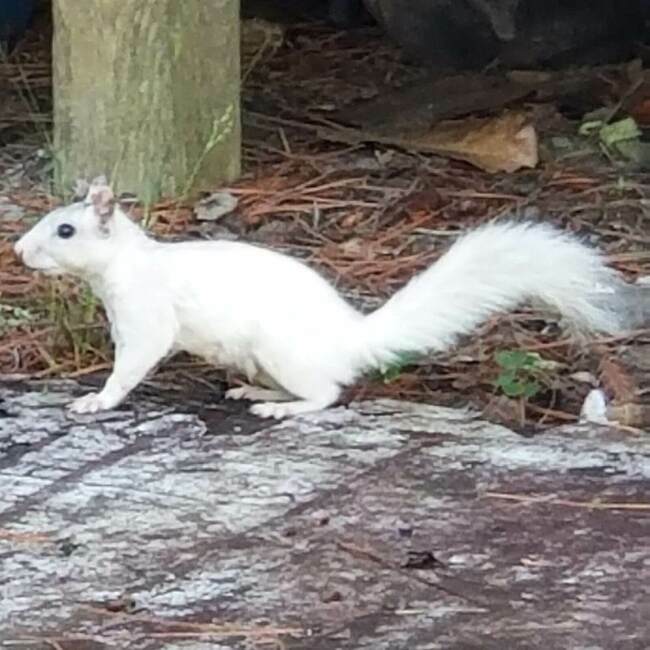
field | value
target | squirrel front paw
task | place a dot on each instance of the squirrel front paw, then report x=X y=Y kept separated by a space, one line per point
x=240 y=392
x=91 y=403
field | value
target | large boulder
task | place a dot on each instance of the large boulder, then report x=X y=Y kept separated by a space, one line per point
x=474 y=33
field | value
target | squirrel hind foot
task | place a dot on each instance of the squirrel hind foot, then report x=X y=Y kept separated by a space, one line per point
x=254 y=394
x=279 y=410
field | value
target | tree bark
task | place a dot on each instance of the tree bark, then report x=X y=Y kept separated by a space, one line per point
x=147 y=93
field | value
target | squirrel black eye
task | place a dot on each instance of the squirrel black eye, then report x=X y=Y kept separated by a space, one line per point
x=65 y=231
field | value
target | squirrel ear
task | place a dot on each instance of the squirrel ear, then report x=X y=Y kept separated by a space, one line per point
x=99 y=180
x=80 y=189
x=102 y=198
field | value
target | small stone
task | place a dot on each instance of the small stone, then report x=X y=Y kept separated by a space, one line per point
x=215 y=206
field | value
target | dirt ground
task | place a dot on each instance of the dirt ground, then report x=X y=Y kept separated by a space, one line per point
x=324 y=181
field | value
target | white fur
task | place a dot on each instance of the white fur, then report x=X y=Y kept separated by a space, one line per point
x=280 y=323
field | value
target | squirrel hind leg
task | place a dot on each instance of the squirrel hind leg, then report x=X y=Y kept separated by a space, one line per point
x=255 y=394
x=316 y=397
x=279 y=410
x=312 y=389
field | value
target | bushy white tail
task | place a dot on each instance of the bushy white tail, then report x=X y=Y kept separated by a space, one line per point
x=493 y=269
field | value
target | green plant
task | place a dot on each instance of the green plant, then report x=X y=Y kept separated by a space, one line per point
x=614 y=138
x=520 y=373
x=12 y=316
x=222 y=127
x=78 y=322
x=393 y=370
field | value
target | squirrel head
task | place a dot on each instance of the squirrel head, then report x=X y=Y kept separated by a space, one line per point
x=80 y=238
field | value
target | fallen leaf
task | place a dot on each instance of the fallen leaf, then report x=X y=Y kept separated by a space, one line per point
x=617 y=381
x=504 y=143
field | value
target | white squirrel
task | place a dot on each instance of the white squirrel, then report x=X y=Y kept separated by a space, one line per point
x=280 y=323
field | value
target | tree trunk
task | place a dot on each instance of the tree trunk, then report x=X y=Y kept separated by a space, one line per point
x=147 y=93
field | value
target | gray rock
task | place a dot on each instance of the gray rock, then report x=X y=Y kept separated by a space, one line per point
x=384 y=525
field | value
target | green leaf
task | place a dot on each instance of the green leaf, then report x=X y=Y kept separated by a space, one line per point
x=12 y=317
x=514 y=388
x=518 y=371
x=587 y=128
x=509 y=385
x=531 y=389
x=616 y=132
x=517 y=359
x=517 y=387
x=392 y=371
x=505 y=378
